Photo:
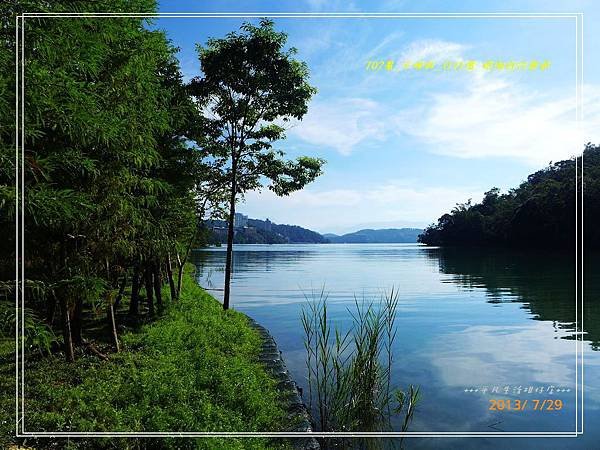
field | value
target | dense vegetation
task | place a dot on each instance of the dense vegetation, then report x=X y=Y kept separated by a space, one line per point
x=122 y=162
x=249 y=235
x=538 y=213
x=195 y=369
x=387 y=235
x=262 y=232
x=293 y=234
x=109 y=176
x=350 y=371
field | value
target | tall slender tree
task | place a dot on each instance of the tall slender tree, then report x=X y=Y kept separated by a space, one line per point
x=251 y=85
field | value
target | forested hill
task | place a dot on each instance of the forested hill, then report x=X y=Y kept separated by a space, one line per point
x=388 y=235
x=538 y=213
x=264 y=232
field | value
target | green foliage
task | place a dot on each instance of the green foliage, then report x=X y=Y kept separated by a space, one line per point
x=115 y=190
x=251 y=236
x=249 y=81
x=194 y=369
x=250 y=84
x=540 y=212
x=295 y=234
x=109 y=173
x=262 y=232
x=37 y=336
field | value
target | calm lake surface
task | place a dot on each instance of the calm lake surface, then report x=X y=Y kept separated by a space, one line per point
x=467 y=319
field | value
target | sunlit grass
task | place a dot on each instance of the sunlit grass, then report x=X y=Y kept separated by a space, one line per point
x=194 y=369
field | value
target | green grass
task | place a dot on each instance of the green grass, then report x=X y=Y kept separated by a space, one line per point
x=194 y=369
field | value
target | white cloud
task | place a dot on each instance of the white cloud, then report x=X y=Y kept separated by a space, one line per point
x=432 y=50
x=478 y=363
x=341 y=210
x=495 y=117
x=341 y=124
x=386 y=46
x=478 y=114
x=465 y=115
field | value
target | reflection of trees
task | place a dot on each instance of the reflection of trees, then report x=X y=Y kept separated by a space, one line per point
x=250 y=260
x=543 y=281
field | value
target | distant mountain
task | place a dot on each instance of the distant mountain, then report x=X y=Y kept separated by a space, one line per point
x=257 y=231
x=384 y=236
x=292 y=233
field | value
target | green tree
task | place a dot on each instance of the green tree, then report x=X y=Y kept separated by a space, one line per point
x=108 y=172
x=250 y=85
x=540 y=212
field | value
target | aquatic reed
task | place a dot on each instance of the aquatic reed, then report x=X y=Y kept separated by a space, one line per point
x=349 y=373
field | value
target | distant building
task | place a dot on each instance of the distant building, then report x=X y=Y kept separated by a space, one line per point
x=240 y=220
x=268 y=224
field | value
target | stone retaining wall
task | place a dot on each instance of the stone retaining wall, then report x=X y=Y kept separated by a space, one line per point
x=298 y=419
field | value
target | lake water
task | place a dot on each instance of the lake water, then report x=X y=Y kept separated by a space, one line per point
x=467 y=320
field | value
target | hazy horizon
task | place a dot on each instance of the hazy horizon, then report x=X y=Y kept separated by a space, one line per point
x=343 y=229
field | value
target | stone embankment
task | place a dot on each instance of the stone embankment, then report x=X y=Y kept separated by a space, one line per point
x=298 y=419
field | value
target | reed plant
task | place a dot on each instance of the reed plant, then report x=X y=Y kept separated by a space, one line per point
x=350 y=372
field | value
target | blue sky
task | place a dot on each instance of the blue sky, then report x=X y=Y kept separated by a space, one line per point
x=403 y=147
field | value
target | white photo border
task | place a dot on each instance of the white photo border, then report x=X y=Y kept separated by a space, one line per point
x=20 y=228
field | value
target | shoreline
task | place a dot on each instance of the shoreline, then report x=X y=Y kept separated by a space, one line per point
x=195 y=367
x=299 y=416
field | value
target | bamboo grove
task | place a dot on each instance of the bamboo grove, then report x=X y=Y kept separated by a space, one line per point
x=119 y=171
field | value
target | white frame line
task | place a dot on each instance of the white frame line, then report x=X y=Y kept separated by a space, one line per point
x=20 y=227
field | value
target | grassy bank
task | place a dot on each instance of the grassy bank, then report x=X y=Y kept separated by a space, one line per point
x=194 y=369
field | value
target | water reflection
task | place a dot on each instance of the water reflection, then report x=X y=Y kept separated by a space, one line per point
x=544 y=282
x=466 y=318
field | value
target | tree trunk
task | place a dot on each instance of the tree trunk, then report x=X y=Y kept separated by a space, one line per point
x=149 y=287
x=169 y=266
x=64 y=312
x=51 y=311
x=180 y=265
x=121 y=290
x=134 y=304
x=181 y=262
x=66 y=326
x=75 y=321
x=157 y=284
x=230 y=233
x=110 y=315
